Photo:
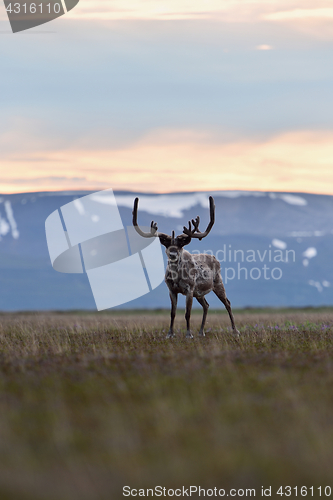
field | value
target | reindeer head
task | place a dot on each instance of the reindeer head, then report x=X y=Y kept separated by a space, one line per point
x=174 y=244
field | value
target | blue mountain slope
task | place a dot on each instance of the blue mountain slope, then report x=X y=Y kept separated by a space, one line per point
x=258 y=226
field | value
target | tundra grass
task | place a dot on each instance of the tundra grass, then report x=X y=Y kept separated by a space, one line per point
x=90 y=403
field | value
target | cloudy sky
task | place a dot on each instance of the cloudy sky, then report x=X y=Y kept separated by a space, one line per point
x=166 y=95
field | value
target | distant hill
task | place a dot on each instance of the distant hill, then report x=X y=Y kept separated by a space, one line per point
x=258 y=226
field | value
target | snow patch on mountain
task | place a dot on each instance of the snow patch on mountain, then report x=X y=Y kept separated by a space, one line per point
x=238 y=194
x=4 y=227
x=11 y=220
x=316 y=284
x=292 y=199
x=167 y=205
x=310 y=252
x=174 y=205
x=282 y=245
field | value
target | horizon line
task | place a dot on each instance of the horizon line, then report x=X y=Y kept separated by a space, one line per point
x=68 y=191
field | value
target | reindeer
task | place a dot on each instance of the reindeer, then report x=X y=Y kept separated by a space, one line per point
x=190 y=275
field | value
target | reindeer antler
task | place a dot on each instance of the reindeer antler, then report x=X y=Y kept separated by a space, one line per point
x=195 y=233
x=153 y=225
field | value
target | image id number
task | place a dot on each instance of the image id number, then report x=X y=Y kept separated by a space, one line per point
x=304 y=491
x=33 y=8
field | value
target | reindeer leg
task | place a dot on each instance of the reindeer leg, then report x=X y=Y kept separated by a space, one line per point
x=203 y=302
x=189 y=301
x=174 y=298
x=219 y=290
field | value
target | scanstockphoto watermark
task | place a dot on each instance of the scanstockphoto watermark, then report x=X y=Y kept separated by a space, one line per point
x=251 y=264
x=162 y=491
x=87 y=236
x=198 y=491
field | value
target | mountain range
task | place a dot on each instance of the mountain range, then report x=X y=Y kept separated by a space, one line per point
x=275 y=249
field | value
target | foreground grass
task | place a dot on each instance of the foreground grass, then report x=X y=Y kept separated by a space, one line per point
x=90 y=403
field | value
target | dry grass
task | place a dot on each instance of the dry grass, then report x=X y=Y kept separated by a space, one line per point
x=92 y=402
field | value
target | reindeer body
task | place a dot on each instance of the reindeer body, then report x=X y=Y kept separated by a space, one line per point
x=191 y=275
x=195 y=276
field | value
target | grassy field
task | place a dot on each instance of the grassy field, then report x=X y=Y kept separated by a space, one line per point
x=90 y=403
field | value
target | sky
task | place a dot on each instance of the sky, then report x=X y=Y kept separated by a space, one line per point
x=164 y=96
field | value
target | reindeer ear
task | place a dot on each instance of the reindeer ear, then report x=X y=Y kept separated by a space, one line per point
x=165 y=240
x=183 y=240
